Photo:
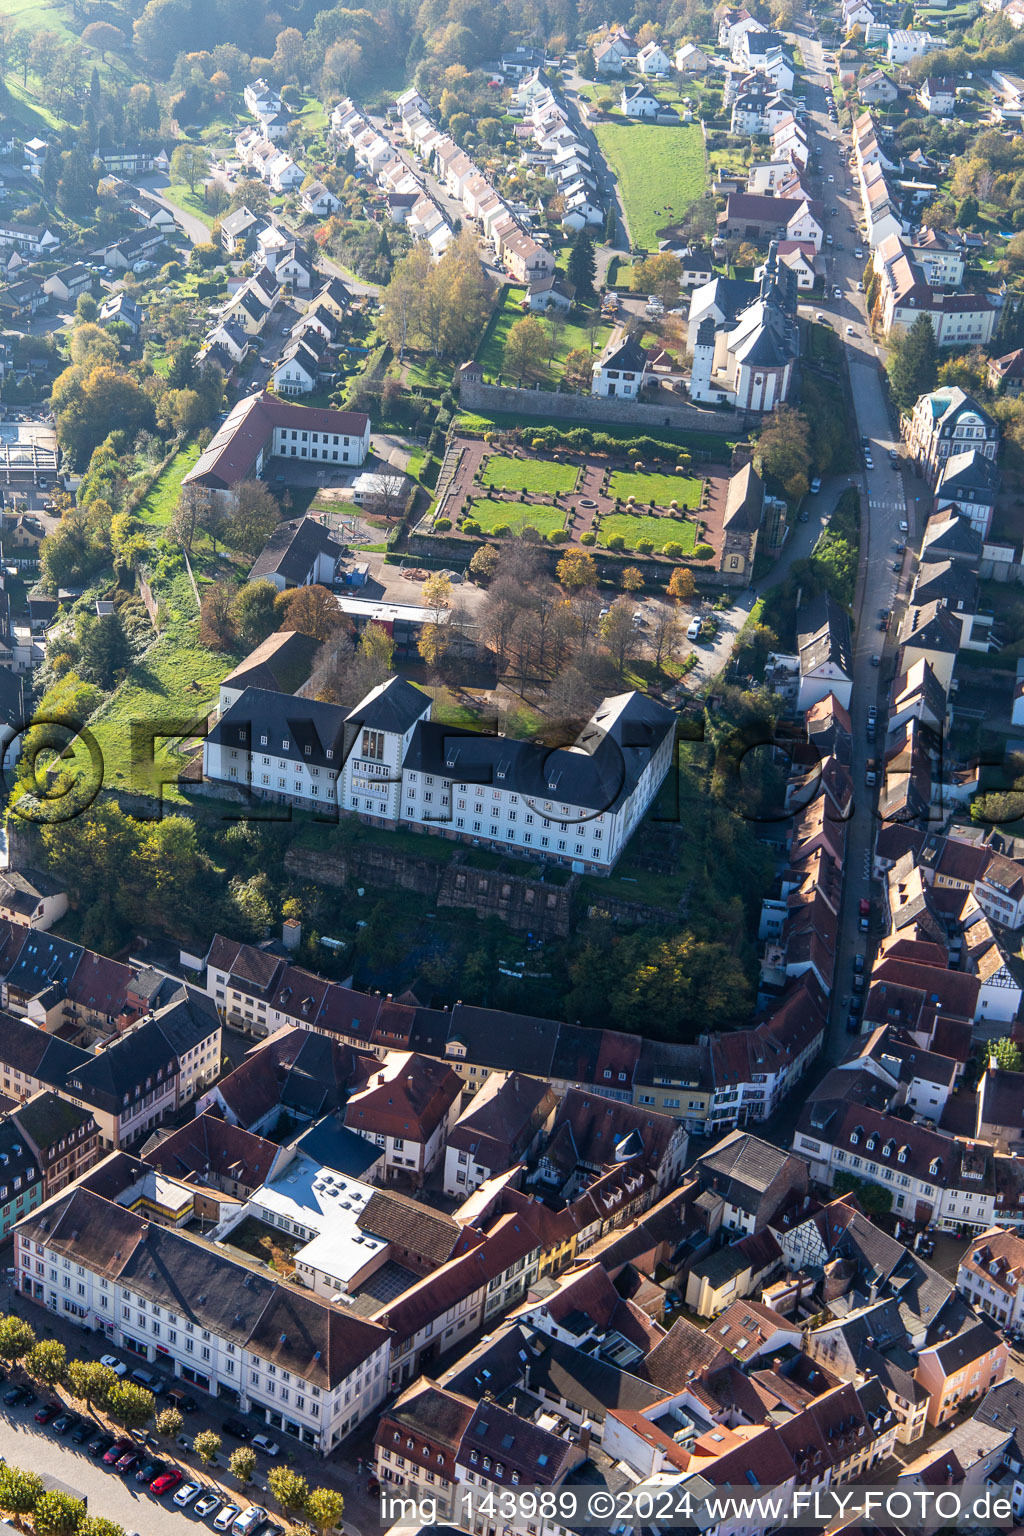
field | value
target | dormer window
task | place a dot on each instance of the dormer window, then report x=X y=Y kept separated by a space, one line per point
x=285 y=745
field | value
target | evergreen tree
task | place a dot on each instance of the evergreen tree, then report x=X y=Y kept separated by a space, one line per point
x=913 y=363
x=611 y=225
x=967 y=213
x=78 y=182
x=51 y=175
x=581 y=266
x=94 y=89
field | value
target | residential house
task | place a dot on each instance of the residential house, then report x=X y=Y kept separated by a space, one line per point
x=29 y=897
x=990 y=1276
x=691 y=60
x=946 y=422
x=120 y=308
x=501 y=1127
x=938 y=96
x=319 y=200
x=62 y=1138
x=619 y=371
x=904 y=46
x=69 y=282
x=407 y=1105
x=652 y=59
x=1006 y=373
x=969 y=481
x=825 y=649
x=876 y=89
x=638 y=101
x=299 y=553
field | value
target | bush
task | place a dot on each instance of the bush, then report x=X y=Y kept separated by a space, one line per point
x=502 y=531
x=442 y=525
x=559 y=536
x=673 y=549
x=470 y=525
x=703 y=552
x=645 y=547
x=616 y=541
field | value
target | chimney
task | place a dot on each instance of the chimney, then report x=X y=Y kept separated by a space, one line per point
x=585 y=1439
x=291 y=933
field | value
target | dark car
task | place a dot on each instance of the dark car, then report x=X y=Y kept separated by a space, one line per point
x=129 y=1461
x=150 y=1469
x=236 y=1429
x=82 y=1430
x=65 y=1424
x=101 y=1445
x=47 y=1412
x=16 y=1396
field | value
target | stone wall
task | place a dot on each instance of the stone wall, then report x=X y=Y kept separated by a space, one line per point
x=592 y=411
x=528 y=906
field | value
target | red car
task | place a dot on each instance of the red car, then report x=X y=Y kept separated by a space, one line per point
x=165 y=1482
x=115 y=1453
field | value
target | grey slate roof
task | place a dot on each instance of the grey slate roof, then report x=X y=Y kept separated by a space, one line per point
x=292 y=550
x=280 y=718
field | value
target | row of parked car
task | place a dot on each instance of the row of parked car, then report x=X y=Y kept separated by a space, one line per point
x=134 y=1458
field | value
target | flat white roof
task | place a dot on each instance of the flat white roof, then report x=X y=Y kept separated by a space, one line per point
x=328 y=1203
x=387 y=613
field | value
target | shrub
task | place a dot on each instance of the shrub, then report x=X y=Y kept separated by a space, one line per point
x=559 y=536
x=502 y=531
x=645 y=547
x=442 y=525
x=673 y=549
x=703 y=552
x=616 y=541
x=588 y=538
x=539 y=442
x=470 y=525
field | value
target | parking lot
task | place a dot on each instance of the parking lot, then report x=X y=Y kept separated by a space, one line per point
x=37 y=1447
x=26 y=1444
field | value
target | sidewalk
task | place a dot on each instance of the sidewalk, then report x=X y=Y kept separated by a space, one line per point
x=337 y=1470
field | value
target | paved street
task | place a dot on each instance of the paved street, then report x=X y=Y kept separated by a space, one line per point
x=884 y=505
x=27 y=1444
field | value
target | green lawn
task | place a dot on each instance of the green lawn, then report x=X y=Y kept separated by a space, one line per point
x=491 y=514
x=655 y=490
x=157 y=508
x=635 y=527
x=660 y=171
x=538 y=477
x=171 y=687
x=189 y=202
x=569 y=336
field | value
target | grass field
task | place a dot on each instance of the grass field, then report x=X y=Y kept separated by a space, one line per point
x=660 y=171
x=157 y=508
x=189 y=202
x=635 y=527
x=655 y=490
x=570 y=336
x=171 y=688
x=538 y=477
x=492 y=514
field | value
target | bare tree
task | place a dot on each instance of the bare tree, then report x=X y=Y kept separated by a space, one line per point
x=619 y=633
x=391 y=492
x=665 y=633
